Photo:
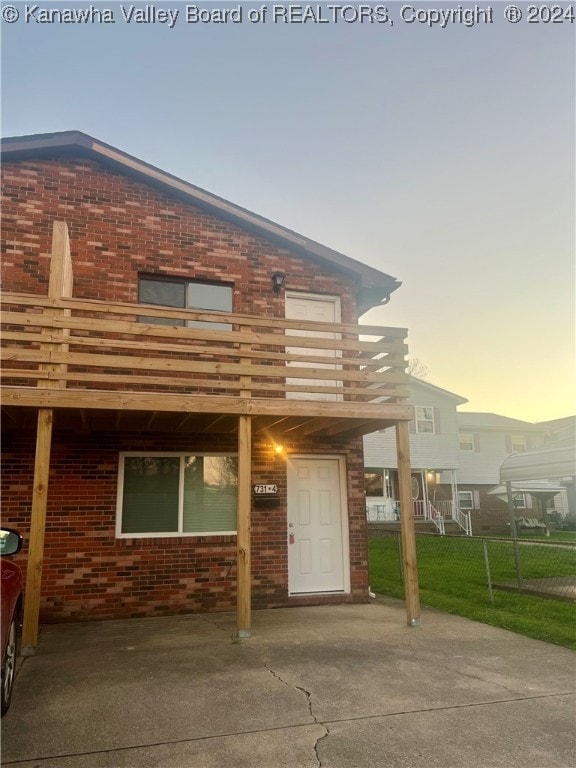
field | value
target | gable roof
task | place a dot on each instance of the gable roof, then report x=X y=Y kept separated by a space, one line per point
x=438 y=390
x=375 y=286
x=564 y=424
x=494 y=421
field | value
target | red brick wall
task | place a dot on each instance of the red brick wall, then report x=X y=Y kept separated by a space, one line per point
x=120 y=228
x=492 y=515
x=90 y=574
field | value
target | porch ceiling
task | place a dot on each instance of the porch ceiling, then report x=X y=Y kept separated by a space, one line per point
x=87 y=421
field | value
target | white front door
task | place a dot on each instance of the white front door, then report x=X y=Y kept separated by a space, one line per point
x=317 y=546
x=306 y=306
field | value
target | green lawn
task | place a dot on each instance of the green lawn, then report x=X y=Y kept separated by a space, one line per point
x=567 y=536
x=452 y=577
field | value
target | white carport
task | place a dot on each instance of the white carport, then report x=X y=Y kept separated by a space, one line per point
x=554 y=463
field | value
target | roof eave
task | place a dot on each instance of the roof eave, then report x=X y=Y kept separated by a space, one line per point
x=379 y=283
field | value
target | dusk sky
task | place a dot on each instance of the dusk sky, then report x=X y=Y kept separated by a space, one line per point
x=442 y=155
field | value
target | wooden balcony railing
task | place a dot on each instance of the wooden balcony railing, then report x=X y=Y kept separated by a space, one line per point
x=77 y=344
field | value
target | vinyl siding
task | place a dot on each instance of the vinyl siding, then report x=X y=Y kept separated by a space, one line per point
x=482 y=466
x=427 y=451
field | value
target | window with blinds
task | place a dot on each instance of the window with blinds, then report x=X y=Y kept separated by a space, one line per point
x=176 y=494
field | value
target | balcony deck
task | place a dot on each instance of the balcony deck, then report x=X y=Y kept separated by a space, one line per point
x=115 y=366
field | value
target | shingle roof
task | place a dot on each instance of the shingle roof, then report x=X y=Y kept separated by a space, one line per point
x=426 y=384
x=492 y=420
x=375 y=286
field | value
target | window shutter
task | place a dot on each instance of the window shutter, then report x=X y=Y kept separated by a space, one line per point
x=412 y=427
x=508 y=443
x=436 y=421
x=476 y=495
x=476 y=442
x=528 y=500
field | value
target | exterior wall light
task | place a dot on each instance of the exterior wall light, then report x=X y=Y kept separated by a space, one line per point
x=278 y=281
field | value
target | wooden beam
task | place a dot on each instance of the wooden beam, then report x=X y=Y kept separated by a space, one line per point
x=37 y=528
x=201 y=403
x=209 y=427
x=59 y=286
x=385 y=333
x=6 y=413
x=358 y=429
x=274 y=423
x=244 y=586
x=151 y=420
x=193 y=385
x=407 y=525
x=322 y=377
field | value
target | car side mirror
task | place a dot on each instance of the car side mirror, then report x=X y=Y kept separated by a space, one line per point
x=10 y=541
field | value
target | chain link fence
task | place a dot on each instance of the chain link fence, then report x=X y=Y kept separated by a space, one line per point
x=457 y=564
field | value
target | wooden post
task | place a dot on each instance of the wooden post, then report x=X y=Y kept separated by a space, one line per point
x=60 y=285
x=407 y=525
x=244 y=590
x=37 y=528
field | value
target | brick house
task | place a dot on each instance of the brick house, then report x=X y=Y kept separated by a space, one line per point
x=167 y=444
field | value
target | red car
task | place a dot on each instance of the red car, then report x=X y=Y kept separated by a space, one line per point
x=12 y=601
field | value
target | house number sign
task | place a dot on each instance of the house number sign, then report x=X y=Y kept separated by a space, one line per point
x=265 y=495
x=264 y=489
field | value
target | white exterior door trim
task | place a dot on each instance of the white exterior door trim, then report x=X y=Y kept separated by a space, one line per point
x=328 y=300
x=345 y=549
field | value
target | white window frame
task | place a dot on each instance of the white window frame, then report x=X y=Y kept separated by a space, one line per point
x=466 y=441
x=519 y=501
x=518 y=440
x=461 y=505
x=160 y=534
x=421 y=418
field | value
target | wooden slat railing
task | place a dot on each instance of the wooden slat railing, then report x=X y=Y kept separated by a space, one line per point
x=108 y=347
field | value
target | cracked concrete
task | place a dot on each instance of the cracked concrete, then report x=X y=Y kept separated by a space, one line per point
x=319 y=687
x=308 y=695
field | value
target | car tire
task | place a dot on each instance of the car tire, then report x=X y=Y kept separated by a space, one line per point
x=9 y=666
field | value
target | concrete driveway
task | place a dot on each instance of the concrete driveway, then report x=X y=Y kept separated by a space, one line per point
x=330 y=687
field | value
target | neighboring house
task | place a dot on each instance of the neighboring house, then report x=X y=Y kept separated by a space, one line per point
x=486 y=439
x=547 y=473
x=434 y=457
x=561 y=429
x=456 y=459
x=157 y=456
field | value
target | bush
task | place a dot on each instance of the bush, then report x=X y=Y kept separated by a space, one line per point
x=568 y=523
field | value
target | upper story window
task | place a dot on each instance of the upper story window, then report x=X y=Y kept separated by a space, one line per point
x=518 y=443
x=185 y=294
x=425 y=419
x=466 y=440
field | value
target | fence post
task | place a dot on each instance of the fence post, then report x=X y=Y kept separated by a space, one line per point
x=514 y=533
x=487 y=563
x=400 y=559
